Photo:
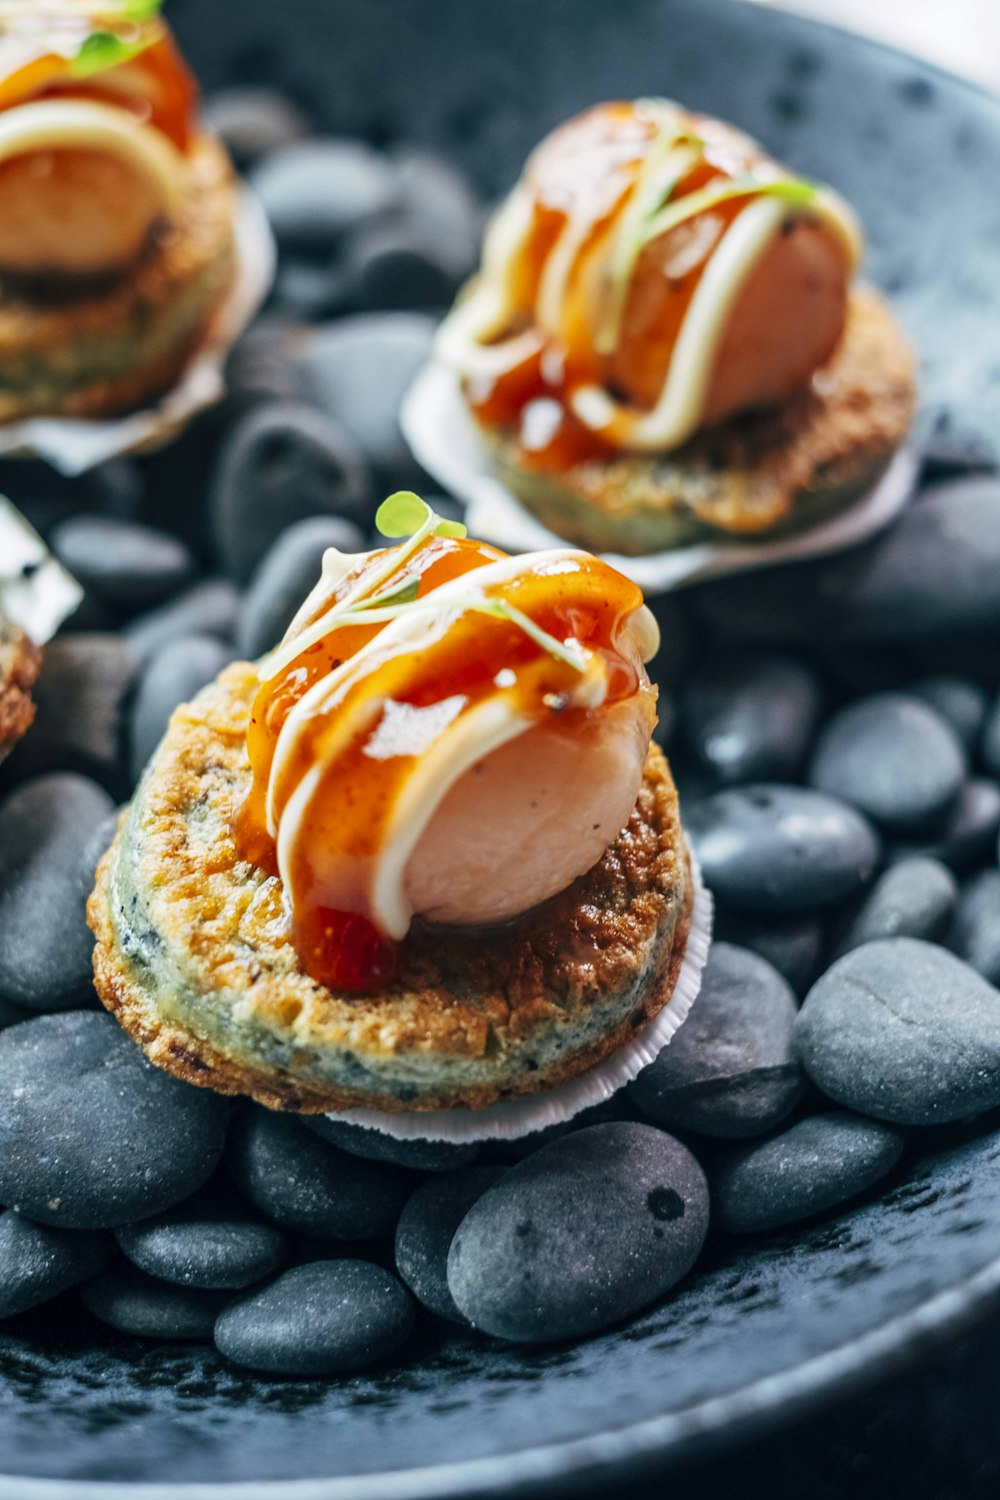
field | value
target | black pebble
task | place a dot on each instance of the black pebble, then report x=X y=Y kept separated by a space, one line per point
x=286 y=576
x=91 y=1134
x=730 y=1070
x=281 y=463
x=307 y=1185
x=914 y=898
x=314 y=191
x=318 y=1319
x=427 y=1227
x=375 y=1145
x=126 y=565
x=210 y=608
x=46 y=830
x=990 y=748
x=902 y=1031
x=960 y=702
x=968 y=835
x=751 y=717
x=205 y=1242
x=975 y=932
x=815 y=1165
x=131 y=1302
x=892 y=757
x=38 y=1262
x=781 y=849
x=586 y=1231
x=253 y=122
x=173 y=676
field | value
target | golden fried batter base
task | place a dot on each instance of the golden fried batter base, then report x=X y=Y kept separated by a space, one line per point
x=20 y=663
x=101 y=351
x=194 y=958
x=763 y=473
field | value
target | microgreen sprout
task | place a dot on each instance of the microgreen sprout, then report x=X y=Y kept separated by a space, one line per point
x=105 y=48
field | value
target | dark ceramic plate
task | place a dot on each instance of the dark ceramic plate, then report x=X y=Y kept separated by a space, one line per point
x=796 y=1320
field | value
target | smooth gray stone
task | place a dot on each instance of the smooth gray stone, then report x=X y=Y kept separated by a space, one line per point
x=375 y=1145
x=210 y=608
x=781 y=849
x=933 y=572
x=751 y=717
x=282 y=462
x=730 y=1071
x=427 y=1227
x=253 y=122
x=205 y=1242
x=586 y=1231
x=399 y=265
x=128 y=1300
x=46 y=826
x=892 y=757
x=975 y=931
x=305 y=1184
x=961 y=703
x=81 y=696
x=903 y=1031
x=126 y=565
x=360 y=369
x=314 y=191
x=38 y=1262
x=793 y=945
x=815 y=1165
x=174 y=676
x=914 y=898
x=990 y=748
x=318 y=1319
x=436 y=197
x=262 y=362
x=968 y=836
x=285 y=577
x=91 y=1134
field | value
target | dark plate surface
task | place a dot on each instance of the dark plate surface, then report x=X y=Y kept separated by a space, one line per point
x=757 y=1335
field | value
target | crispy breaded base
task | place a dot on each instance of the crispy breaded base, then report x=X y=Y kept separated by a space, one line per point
x=107 y=351
x=20 y=662
x=766 y=472
x=194 y=958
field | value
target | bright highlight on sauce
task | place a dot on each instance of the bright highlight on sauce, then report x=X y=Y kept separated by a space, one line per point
x=611 y=274
x=404 y=670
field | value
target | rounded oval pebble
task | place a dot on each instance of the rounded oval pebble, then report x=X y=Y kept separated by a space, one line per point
x=38 y=1262
x=815 y=1165
x=210 y=608
x=318 y=1319
x=287 y=574
x=751 y=717
x=281 y=463
x=126 y=1299
x=891 y=756
x=376 y=1145
x=312 y=191
x=730 y=1070
x=968 y=835
x=584 y=1232
x=975 y=932
x=360 y=369
x=990 y=748
x=961 y=703
x=81 y=696
x=427 y=1227
x=781 y=849
x=125 y=564
x=91 y=1134
x=306 y=1184
x=261 y=362
x=793 y=945
x=438 y=198
x=400 y=265
x=902 y=1031
x=252 y=122
x=205 y=1243
x=173 y=676
x=46 y=947
x=914 y=898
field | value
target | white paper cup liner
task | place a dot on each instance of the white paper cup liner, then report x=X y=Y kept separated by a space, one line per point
x=72 y=445
x=36 y=591
x=444 y=440
x=517 y=1117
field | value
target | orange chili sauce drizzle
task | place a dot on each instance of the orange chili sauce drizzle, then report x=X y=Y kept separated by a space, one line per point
x=156 y=85
x=350 y=811
x=532 y=397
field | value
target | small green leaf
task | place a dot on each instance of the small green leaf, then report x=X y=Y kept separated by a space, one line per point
x=405 y=590
x=795 y=191
x=104 y=49
x=451 y=528
x=402 y=514
x=140 y=10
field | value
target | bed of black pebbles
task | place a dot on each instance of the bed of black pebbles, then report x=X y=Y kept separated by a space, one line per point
x=835 y=731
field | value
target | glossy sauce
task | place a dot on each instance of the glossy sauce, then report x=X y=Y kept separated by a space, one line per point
x=379 y=715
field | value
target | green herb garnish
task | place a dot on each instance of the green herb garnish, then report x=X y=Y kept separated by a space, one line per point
x=405 y=514
x=792 y=190
x=104 y=48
